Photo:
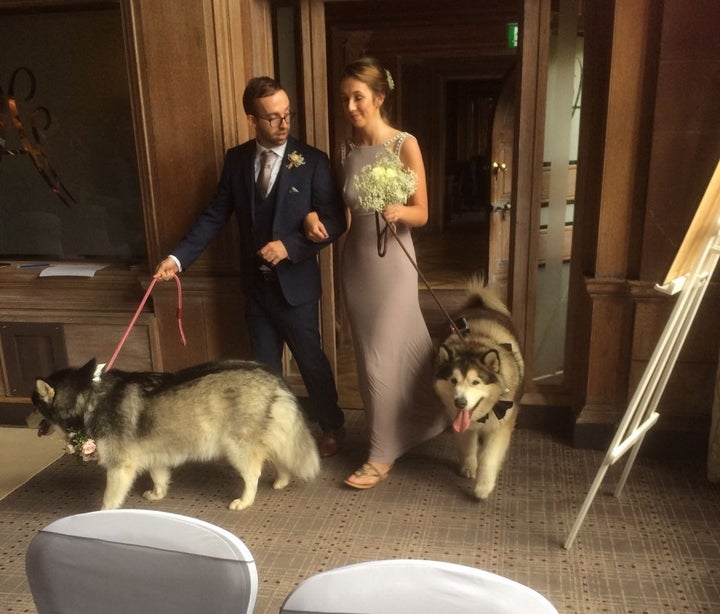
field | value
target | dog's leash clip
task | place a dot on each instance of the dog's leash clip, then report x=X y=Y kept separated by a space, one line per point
x=461 y=326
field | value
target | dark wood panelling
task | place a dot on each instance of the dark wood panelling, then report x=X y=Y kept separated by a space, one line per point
x=30 y=349
x=213 y=317
x=644 y=162
x=178 y=96
x=686 y=134
x=91 y=315
x=99 y=340
x=610 y=344
x=651 y=317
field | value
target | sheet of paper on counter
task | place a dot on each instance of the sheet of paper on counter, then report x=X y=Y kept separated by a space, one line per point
x=71 y=270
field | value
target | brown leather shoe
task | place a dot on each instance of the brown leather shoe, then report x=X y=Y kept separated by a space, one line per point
x=330 y=442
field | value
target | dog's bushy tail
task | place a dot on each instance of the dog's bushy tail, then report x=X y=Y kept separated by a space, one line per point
x=485 y=294
x=290 y=439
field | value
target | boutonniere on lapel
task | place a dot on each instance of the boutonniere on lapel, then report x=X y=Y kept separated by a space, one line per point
x=295 y=160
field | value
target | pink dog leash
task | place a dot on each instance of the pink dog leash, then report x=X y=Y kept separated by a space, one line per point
x=110 y=363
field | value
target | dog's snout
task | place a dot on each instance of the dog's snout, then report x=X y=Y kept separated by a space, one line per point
x=460 y=402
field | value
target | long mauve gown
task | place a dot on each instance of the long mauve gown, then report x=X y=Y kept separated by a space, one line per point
x=393 y=349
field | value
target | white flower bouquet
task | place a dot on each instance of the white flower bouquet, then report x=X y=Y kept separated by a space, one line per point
x=386 y=182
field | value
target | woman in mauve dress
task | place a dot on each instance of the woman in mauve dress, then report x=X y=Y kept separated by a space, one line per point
x=393 y=349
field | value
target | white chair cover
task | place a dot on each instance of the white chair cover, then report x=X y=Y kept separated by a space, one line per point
x=412 y=587
x=139 y=561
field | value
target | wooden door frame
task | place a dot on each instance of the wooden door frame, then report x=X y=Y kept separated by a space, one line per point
x=527 y=186
x=317 y=129
x=531 y=74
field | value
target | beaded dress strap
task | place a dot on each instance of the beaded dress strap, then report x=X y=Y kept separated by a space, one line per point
x=398 y=139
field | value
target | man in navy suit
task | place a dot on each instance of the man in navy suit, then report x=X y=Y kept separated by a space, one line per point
x=280 y=272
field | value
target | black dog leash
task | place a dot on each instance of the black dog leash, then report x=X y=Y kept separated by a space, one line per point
x=501 y=407
x=453 y=325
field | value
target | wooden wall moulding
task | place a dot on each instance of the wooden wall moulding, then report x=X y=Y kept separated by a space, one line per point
x=96 y=335
x=213 y=317
x=29 y=349
x=627 y=319
x=37 y=344
x=608 y=352
x=686 y=401
x=111 y=289
x=90 y=315
x=607 y=286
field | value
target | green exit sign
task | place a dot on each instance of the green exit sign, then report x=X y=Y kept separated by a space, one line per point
x=512 y=35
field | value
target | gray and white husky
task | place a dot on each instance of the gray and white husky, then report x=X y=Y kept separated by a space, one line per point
x=479 y=375
x=145 y=421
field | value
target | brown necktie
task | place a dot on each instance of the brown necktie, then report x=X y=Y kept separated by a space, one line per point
x=267 y=157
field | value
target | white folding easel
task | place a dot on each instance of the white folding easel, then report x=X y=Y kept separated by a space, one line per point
x=689 y=276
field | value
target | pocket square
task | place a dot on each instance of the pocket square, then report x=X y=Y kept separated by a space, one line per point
x=294 y=190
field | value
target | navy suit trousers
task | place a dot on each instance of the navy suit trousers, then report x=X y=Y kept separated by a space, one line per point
x=271 y=321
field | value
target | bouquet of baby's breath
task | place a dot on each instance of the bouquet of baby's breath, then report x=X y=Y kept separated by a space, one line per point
x=386 y=182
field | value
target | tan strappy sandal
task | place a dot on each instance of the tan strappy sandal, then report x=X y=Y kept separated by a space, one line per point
x=368 y=476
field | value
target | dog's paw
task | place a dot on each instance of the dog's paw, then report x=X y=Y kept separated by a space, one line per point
x=154 y=495
x=239 y=504
x=468 y=470
x=484 y=488
x=281 y=482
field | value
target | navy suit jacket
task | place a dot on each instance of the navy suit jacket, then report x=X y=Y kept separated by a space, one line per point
x=300 y=189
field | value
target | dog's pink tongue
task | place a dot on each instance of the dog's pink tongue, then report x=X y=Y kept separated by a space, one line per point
x=45 y=428
x=462 y=421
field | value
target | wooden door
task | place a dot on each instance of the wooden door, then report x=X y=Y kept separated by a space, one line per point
x=503 y=131
x=300 y=30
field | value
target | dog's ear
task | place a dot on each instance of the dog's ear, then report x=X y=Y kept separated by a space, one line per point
x=491 y=360
x=445 y=354
x=44 y=391
x=88 y=369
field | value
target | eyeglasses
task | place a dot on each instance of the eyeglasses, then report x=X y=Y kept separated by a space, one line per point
x=276 y=122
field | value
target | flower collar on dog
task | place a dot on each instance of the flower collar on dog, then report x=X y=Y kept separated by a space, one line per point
x=295 y=160
x=82 y=446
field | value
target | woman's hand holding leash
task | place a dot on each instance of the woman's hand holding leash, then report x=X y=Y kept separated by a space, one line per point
x=393 y=213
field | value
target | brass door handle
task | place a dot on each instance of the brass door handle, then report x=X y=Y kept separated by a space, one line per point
x=497 y=167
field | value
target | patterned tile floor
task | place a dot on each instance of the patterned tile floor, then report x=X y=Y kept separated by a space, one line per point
x=654 y=550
